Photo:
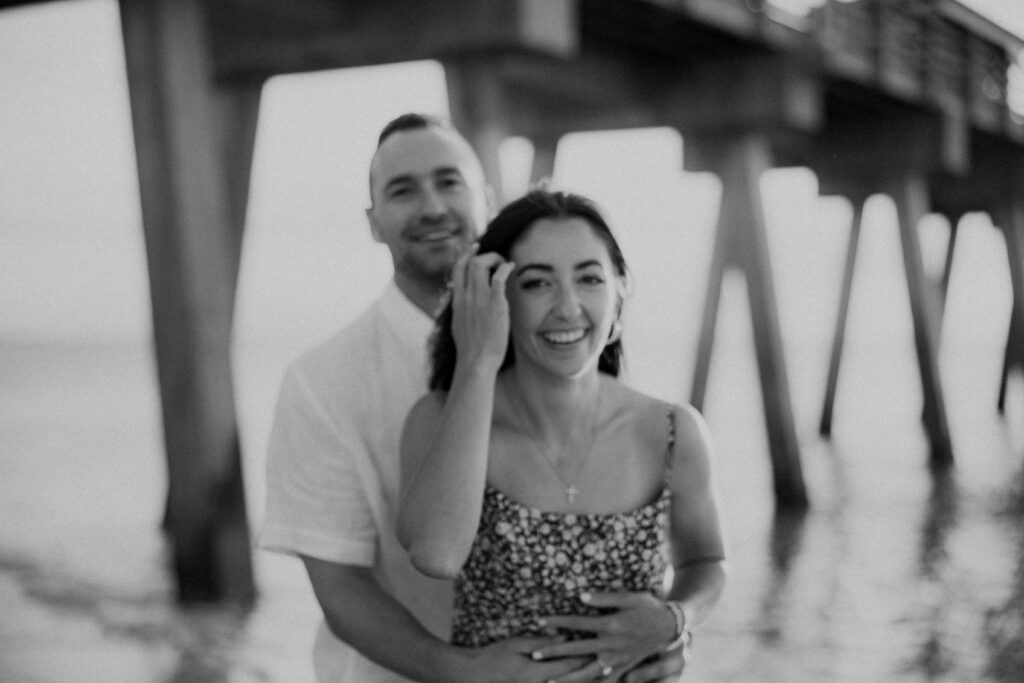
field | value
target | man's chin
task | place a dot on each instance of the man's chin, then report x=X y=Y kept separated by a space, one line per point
x=444 y=255
x=436 y=270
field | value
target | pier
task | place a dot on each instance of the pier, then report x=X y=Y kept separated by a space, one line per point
x=901 y=97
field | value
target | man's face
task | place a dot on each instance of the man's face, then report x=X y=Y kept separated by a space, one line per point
x=429 y=201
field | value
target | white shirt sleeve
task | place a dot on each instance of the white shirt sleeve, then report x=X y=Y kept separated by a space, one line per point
x=316 y=500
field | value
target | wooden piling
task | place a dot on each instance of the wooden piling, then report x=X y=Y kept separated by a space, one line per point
x=193 y=212
x=741 y=241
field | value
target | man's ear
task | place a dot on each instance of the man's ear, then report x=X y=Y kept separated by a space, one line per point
x=371 y=218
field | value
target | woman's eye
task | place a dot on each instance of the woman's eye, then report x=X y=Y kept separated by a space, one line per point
x=532 y=284
x=592 y=280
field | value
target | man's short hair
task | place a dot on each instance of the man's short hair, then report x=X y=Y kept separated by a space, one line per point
x=413 y=121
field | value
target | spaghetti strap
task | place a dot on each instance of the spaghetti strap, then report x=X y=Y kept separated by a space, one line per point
x=670 y=446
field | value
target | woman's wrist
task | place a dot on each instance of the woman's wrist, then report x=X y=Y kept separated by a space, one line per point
x=681 y=636
x=481 y=369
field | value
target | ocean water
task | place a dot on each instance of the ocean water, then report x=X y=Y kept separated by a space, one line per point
x=893 y=575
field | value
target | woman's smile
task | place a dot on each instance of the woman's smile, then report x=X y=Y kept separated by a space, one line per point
x=564 y=337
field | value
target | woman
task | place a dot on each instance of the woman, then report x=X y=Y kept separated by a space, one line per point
x=555 y=495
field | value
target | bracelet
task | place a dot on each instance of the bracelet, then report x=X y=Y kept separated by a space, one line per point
x=682 y=636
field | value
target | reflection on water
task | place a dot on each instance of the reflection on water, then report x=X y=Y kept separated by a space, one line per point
x=934 y=658
x=939 y=517
x=1004 y=624
x=892 y=575
x=84 y=591
x=201 y=644
x=786 y=538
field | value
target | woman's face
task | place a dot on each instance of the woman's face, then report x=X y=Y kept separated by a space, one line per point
x=563 y=296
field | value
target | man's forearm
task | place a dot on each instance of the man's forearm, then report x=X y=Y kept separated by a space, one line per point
x=360 y=613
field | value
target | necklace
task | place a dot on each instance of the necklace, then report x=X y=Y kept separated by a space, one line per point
x=568 y=485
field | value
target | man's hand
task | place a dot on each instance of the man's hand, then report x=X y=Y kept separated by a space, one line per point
x=510 y=661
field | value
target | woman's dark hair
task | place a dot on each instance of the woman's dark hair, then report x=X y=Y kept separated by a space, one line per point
x=503 y=232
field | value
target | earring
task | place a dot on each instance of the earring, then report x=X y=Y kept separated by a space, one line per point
x=615 y=333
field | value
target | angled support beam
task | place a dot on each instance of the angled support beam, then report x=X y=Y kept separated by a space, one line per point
x=742 y=241
x=839 y=337
x=943 y=292
x=1012 y=222
x=722 y=253
x=193 y=149
x=947 y=266
x=910 y=192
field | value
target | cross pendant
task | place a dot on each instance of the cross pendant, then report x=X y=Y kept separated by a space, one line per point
x=570 y=492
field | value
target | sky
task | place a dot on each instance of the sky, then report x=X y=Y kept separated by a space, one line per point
x=71 y=252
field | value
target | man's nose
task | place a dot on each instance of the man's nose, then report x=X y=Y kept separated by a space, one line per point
x=432 y=204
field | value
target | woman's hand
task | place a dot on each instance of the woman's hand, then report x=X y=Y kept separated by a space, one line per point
x=641 y=626
x=508 y=661
x=480 y=321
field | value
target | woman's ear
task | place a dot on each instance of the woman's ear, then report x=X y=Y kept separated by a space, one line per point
x=616 y=332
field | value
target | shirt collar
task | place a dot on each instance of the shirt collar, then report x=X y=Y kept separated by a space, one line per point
x=405 y=317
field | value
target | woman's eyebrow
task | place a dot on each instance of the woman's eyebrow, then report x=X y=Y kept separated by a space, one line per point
x=544 y=267
x=535 y=266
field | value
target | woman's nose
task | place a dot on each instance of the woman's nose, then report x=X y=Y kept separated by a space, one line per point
x=567 y=305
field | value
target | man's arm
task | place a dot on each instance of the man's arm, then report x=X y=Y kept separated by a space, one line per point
x=360 y=613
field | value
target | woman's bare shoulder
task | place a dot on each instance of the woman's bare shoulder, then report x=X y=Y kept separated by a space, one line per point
x=650 y=418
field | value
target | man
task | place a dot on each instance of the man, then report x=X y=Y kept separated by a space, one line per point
x=332 y=467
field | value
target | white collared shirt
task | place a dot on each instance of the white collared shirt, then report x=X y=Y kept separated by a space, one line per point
x=333 y=466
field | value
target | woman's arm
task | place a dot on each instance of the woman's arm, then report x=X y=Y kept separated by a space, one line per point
x=444 y=466
x=698 y=548
x=447 y=437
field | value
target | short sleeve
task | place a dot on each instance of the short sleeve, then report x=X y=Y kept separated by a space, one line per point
x=316 y=501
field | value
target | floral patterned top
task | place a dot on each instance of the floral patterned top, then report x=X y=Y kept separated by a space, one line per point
x=526 y=563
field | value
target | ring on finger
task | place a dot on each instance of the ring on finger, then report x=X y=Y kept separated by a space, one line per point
x=606 y=669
